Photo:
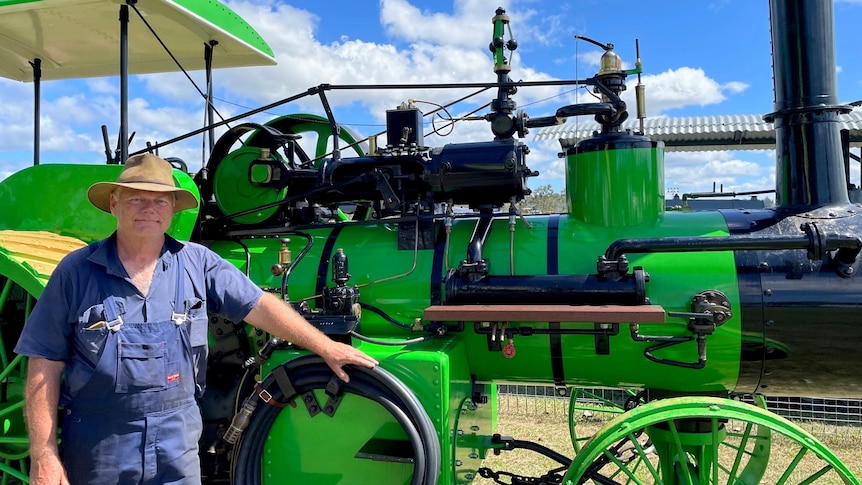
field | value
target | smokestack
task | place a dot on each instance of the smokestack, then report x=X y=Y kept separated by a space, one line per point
x=809 y=160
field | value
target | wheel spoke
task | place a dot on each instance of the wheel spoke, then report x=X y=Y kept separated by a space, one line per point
x=740 y=452
x=820 y=473
x=643 y=455
x=716 y=441
x=792 y=467
x=14 y=472
x=680 y=451
x=624 y=469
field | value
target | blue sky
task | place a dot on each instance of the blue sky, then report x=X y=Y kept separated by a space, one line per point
x=699 y=58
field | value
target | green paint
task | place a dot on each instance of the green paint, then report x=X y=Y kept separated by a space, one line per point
x=228 y=20
x=436 y=370
x=617 y=187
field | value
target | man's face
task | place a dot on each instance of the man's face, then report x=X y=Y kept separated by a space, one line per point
x=141 y=212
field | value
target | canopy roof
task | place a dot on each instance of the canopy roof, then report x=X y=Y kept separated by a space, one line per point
x=81 y=38
x=697 y=133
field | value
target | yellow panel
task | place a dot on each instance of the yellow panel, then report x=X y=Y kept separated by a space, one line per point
x=39 y=250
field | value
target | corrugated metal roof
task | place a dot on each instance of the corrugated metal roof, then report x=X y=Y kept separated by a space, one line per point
x=697 y=133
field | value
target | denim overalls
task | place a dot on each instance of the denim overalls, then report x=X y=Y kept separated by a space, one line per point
x=130 y=416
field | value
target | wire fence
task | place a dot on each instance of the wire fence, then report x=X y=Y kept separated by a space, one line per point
x=533 y=400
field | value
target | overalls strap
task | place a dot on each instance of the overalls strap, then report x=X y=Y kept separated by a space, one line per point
x=179 y=318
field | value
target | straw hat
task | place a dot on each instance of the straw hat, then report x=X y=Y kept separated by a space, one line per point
x=142 y=172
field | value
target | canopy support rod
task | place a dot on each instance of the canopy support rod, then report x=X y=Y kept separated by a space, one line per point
x=36 y=64
x=124 y=81
x=208 y=59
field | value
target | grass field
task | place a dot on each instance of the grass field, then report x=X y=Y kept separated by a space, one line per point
x=545 y=421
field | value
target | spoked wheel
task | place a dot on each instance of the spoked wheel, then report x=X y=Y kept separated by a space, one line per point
x=703 y=440
x=15 y=305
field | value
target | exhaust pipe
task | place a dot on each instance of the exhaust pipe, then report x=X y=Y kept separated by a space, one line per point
x=809 y=159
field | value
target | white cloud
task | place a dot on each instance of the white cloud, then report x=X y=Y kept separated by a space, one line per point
x=685 y=86
x=735 y=87
x=699 y=171
x=400 y=19
x=103 y=85
x=304 y=62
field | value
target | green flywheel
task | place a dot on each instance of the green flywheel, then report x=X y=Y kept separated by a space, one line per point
x=240 y=190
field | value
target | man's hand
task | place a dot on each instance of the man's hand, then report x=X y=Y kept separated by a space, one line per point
x=338 y=355
x=47 y=470
x=280 y=319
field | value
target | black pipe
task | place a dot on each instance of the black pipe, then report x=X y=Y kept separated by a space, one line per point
x=36 y=64
x=810 y=170
x=731 y=243
x=544 y=289
x=124 y=84
x=480 y=235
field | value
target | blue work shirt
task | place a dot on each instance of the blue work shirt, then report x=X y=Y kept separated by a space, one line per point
x=76 y=290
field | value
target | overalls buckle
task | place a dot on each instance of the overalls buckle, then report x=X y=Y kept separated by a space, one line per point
x=178 y=318
x=115 y=324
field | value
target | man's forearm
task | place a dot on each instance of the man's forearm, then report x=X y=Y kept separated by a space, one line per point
x=277 y=318
x=42 y=396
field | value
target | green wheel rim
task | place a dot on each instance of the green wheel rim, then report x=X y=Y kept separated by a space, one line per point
x=318 y=125
x=704 y=440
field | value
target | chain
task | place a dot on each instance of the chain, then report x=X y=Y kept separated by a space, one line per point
x=549 y=479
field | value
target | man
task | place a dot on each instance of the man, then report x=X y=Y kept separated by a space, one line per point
x=119 y=335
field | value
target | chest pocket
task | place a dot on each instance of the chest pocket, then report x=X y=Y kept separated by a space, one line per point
x=148 y=357
x=91 y=335
x=198 y=321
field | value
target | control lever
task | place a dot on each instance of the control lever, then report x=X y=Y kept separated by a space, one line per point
x=115 y=158
x=390 y=198
x=109 y=158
